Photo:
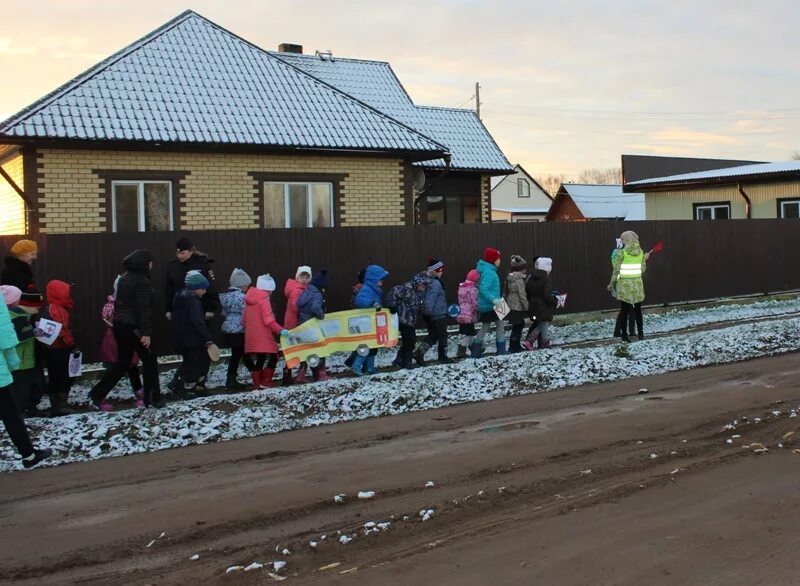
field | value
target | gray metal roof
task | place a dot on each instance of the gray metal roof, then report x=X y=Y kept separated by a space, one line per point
x=761 y=170
x=374 y=82
x=190 y=81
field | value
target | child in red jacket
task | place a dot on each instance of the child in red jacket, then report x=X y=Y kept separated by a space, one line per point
x=58 y=353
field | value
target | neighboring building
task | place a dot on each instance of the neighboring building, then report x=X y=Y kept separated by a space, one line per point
x=192 y=127
x=519 y=198
x=763 y=190
x=579 y=202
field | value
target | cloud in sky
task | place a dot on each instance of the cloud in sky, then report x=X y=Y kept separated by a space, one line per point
x=565 y=86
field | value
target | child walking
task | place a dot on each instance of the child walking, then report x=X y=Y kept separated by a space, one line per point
x=542 y=303
x=28 y=381
x=517 y=300
x=311 y=304
x=190 y=333
x=260 y=328
x=9 y=411
x=406 y=300
x=369 y=296
x=233 y=303
x=434 y=311
x=468 y=303
x=58 y=353
x=489 y=297
x=109 y=352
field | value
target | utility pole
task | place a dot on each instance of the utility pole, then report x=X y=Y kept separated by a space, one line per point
x=478 y=99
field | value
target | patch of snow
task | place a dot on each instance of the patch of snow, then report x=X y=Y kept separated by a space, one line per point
x=278 y=566
x=195 y=557
x=253 y=566
x=345 y=539
x=429 y=484
x=339 y=498
x=366 y=494
x=234 y=569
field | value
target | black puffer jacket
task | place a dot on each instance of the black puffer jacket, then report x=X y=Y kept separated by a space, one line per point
x=189 y=328
x=541 y=302
x=176 y=278
x=20 y=275
x=135 y=295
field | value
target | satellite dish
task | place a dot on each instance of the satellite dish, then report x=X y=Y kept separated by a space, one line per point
x=418 y=181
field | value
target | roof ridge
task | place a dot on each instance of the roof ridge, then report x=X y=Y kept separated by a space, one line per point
x=333 y=60
x=424 y=107
x=95 y=69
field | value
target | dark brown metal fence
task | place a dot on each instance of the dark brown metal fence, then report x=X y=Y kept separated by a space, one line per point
x=701 y=259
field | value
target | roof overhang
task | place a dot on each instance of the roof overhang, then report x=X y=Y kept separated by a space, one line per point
x=710 y=182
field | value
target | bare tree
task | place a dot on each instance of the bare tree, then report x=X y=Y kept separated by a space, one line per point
x=551 y=183
x=611 y=176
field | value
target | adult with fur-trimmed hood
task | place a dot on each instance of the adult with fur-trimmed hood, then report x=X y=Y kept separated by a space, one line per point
x=132 y=327
x=628 y=268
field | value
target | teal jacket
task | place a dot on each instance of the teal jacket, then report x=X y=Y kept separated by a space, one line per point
x=8 y=349
x=488 y=286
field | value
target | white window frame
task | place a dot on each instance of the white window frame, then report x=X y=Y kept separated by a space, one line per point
x=789 y=202
x=287 y=220
x=520 y=191
x=140 y=202
x=713 y=207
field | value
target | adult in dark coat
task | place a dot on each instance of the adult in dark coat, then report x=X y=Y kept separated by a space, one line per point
x=18 y=272
x=133 y=328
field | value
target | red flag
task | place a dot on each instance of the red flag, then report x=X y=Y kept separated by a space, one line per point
x=658 y=247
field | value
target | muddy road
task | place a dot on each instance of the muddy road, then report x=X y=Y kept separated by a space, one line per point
x=593 y=485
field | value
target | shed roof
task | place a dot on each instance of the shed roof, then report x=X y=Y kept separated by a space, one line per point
x=191 y=81
x=780 y=170
x=605 y=201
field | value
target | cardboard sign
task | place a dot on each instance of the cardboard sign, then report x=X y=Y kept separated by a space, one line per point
x=75 y=365
x=49 y=331
x=502 y=309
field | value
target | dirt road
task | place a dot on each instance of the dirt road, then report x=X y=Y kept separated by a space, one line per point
x=556 y=488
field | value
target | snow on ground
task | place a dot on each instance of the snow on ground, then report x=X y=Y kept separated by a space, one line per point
x=89 y=436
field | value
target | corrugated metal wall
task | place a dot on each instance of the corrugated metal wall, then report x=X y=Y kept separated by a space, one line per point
x=701 y=259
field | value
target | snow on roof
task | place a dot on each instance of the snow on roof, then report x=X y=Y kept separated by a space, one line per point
x=521 y=210
x=375 y=83
x=727 y=173
x=191 y=81
x=606 y=201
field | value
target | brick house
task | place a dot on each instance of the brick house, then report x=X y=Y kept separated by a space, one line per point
x=192 y=127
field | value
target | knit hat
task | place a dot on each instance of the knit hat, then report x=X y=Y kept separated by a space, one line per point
x=185 y=243
x=11 y=294
x=434 y=264
x=23 y=247
x=320 y=280
x=265 y=283
x=545 y=264
x=239 y=278
x=195 y=280
x=517 y=262
x=473 y=276
x=491 y=255
x=303 y=269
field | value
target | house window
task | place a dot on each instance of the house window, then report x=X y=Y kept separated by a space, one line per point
x=523 y=188
x=142 y=206
x=452 y=209
x=298 y=205
x=712 y=211
x=789 y=208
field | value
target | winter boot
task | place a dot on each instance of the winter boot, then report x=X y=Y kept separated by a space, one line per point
x=370 y=362
x=419 y=353
x=461 y=352
x=59 y=406
x=265 y=380
x=36 y=458
x=501 y=348
x=476 y=350
x=443 y=358
x=256 y=374
x=358 y=365
x=139 y=399
x=348 y=362
x=300 y=377
x=320 y=374
x=287 y=379
x=398 y=360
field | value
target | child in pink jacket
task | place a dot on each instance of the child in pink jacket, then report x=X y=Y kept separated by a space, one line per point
x=260 y=328
x=468 y=302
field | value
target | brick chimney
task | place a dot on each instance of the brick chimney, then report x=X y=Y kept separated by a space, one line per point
x=290 y=48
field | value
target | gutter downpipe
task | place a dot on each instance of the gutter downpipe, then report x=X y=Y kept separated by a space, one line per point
x=747 y=203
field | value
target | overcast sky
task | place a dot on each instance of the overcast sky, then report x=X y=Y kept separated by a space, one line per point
x=565 y=85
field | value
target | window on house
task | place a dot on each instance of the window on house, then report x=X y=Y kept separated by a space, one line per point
x=298 y=205
x=142 y=206
x=523 y=188
x=789 y=208
x=452 y=209
x=712 y=211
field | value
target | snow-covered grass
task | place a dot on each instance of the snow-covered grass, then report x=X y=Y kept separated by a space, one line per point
x=94 y=435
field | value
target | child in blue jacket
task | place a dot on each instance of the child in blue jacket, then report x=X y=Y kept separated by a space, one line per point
x=434 y=311
x=311 y=304
x=369 y=296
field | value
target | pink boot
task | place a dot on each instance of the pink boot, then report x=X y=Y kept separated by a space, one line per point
x=300 y=377
x=139 y=399
x=321 y=374
x=106 y=406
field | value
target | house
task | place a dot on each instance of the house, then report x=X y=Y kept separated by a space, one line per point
x=732 y=190
x=519 y=198
x=579 y=202
x=192 y=127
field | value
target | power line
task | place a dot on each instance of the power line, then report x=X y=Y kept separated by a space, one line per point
x=633 y=117
x=622 y=133
x=644 y=112
x=469 y=99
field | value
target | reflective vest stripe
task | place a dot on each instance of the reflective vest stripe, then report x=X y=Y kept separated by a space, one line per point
x=631 y=267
